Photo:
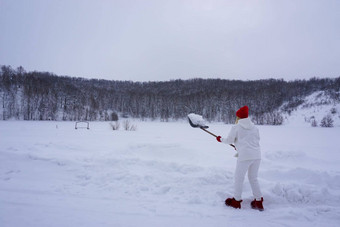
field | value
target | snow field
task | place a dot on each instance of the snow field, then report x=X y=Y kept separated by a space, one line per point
x=162 y=174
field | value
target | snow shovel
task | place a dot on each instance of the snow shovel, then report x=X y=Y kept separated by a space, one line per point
x=196 y=121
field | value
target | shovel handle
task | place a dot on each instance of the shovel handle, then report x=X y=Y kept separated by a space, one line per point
x=233 y=146
x=208 y=131
x=216 y=136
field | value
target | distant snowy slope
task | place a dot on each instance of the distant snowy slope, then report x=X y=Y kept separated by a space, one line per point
x=314 y=108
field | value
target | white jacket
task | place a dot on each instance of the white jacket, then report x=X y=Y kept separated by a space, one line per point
x=246 y=137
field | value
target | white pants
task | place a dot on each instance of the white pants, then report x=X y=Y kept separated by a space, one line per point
x=252 y=166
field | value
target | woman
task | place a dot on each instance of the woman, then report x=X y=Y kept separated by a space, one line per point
x=245 y=136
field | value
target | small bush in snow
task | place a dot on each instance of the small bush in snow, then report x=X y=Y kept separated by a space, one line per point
x=327 y=121
x=128 y=126
x=314 y=123
x=114 y=116
x=115 y=126
x=333 y=111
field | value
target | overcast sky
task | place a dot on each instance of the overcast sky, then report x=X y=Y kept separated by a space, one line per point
x=153 y=40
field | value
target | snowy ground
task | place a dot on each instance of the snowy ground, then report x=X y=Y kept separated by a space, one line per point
x=162 y=174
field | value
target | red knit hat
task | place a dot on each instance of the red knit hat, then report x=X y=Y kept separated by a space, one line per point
x=242 y=112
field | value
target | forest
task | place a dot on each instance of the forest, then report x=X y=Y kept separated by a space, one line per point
x=46 y=96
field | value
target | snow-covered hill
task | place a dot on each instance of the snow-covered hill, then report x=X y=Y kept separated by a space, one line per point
x=162 y=174
x=314 y=108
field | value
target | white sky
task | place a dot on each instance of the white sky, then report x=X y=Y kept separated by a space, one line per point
x=148 y=40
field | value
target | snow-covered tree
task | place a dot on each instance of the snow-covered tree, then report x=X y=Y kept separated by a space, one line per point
x=327 y=121
x=44 y=96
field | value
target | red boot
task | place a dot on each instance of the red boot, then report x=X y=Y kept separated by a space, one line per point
x=231 y=202
x=257 y=205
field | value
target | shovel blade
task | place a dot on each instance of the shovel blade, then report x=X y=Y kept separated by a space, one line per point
x=196 y=125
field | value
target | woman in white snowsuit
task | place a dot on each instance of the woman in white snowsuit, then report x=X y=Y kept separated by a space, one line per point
x=245 y=136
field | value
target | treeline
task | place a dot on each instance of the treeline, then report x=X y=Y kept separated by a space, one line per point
x=45 y=96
